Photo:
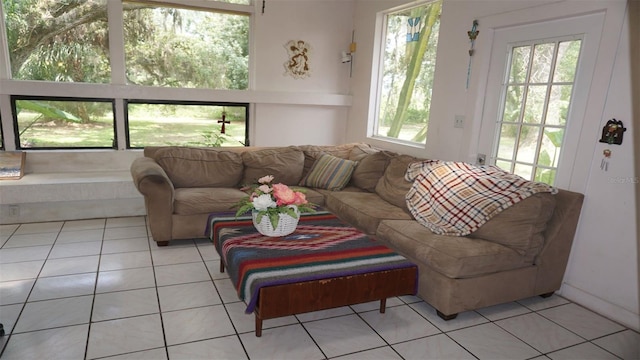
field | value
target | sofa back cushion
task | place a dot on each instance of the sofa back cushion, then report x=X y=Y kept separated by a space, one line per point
x=284 y=163
x=392 y=186
x=199 y=167
x=521 y=226
x=370 y=170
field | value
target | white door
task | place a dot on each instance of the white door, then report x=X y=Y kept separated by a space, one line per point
x=537 y=89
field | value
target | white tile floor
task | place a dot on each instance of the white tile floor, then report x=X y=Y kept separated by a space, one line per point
x=100 y=288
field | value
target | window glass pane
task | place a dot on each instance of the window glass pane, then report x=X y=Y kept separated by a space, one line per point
x=513 y=103
x=559 y=101
x=567 y=62
x=407 y=77
x=527 y=144
x=58 y=41
x=542 y=59
x=44 y=123
x=534 y=107
x=186 y=48
x=507 y=141
x=519 y=64
x=186 y=125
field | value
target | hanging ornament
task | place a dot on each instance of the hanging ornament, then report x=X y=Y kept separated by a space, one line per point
x=604 y=164
x=413 y=29
x=473 y=34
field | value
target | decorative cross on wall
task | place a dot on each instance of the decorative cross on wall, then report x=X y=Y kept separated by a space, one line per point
x=223 y=121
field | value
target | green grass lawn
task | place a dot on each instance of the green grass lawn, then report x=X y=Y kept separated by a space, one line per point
x=156 y=130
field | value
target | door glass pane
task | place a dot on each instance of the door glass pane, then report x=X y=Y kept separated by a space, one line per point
x=186 y=125
x=542 y=60
x=507 y=141
x=519 y=64
x=528 y=143
x=44 y=123
x=409 y=60
x=568 y=52
x=513 y=103
x=523 y=170
x=534 y=107
x=504 y=165
x=58 y=41
x=549 y=154
x=545 y=175
x=559 y=101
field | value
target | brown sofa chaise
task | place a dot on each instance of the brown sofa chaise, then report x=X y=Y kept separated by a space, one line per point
x=521 y=252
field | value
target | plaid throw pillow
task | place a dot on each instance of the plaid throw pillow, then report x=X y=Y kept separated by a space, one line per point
x=329 y=172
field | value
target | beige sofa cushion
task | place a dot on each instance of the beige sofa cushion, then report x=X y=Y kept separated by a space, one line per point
x=364 y=210
x=197 y=167
x=520 y=226
x=392 y=186
x=370 y=169
x=192 y=201
x=453 y=256
x=284 y=163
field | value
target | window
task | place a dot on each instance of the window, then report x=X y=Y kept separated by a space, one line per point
x=408 y=60
x=537 y=96
x=83 y=58
x=171 y=47
x=187 y=123
x=48 y=40
x=45 y=123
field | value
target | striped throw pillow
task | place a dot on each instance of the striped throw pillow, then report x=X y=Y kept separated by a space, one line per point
x=329 y=172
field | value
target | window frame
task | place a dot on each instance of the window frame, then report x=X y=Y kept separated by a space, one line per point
x=542 y=125
x=126 y=103
x=117 y=90
x=16 y=129
x=376 y=87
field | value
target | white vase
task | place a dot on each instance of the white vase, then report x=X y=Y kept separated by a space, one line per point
x=286 y=224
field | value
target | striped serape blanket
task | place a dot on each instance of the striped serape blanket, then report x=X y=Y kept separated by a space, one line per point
x=322 y=247
x=455 y=198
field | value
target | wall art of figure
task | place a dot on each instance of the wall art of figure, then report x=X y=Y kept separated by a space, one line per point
x=297 y=65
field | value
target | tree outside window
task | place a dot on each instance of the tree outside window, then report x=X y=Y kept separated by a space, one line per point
x=406 y=77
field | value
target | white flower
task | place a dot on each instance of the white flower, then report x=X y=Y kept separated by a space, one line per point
x=263 y=202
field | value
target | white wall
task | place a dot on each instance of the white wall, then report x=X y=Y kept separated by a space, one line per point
x=325 y=25
x=602 y=273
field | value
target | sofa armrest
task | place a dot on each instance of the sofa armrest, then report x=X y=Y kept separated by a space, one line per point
x=158 y=191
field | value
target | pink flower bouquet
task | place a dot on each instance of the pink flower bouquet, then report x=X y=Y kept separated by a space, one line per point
x=272 y=200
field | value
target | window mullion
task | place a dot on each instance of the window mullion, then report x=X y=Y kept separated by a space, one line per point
x=116 y=42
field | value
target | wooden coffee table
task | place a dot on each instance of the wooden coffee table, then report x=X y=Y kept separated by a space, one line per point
x=324 y=264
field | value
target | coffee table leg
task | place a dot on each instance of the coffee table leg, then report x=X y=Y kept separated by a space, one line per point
x=258 y=326
x=221 y=266
x=383 y=305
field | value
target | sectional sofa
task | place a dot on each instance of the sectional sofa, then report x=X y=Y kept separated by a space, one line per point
x=521 y=252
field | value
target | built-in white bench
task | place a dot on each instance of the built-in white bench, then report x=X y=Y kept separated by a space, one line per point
x=69 y=185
